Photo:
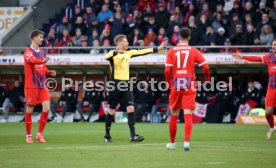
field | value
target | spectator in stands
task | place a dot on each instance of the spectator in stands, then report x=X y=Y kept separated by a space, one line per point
x=105 y=34
x=14 y=99
x=135 y=37
x=84 y=44
x=96 y=44
x=96 y=5
x=106 y=44
x=117 y=25
x=195 y=36
x=94 y=36
x=161 y=36
x=150 y=37
x=237 y=37
x=162 y=16
x=104 y=14
x=236 y=10
x=265 y=21
x=266 y=36
x=249 y=35
x=52 y=41
x=220 y=37
x=174 y=38
x=89 y=15
x=152 y=25
x=65 y=41
x=248 y=21
x=233 y=24
x=178 y=15
x=209 y=37
x=142 y=4
x=204 y=11
x=272 y=16
x=171 y=25
x=77 y=12
x=68 y=100
x=203 y=24
x=218 y=22
x=249 y=10
x=79 y=24
x=95 y=25
x=92 y=99
x=191 y=12
x=65 y=25
x=261 y=10
x=77 y=38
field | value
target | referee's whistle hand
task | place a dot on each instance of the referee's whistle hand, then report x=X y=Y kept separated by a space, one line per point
x=163 y=45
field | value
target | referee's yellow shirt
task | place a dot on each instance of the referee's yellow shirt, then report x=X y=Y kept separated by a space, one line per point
x=119 y=62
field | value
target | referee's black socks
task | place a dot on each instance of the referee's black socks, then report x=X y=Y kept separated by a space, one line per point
x=131 y=123
x=108 y=122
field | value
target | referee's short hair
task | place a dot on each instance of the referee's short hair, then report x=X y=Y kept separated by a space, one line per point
x=185 y=33
x=36 y=32
x=119 y=38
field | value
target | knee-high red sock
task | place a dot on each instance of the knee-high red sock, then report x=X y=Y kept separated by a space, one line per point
x=173 y=127
x=270 y=120
x=188 y=127
x=28 y=123
x=42 y=121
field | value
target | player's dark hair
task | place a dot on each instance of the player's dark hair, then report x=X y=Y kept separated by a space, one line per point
x=273 y=40
x=185 y=33
x=119 y=38
x=35 y=33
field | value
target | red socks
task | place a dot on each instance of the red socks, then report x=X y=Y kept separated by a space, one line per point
x=270 y=120
x=42 y=121
x=28 y=123
x=188 y=127
x=173 y=127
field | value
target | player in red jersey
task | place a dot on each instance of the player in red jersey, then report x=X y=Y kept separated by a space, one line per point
x=35 y=90
x=270 y=100
x=180 y=75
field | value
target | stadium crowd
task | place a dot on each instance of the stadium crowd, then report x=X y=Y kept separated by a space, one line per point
x=148 y=22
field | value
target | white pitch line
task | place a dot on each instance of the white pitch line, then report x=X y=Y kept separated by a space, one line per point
x=215 y=163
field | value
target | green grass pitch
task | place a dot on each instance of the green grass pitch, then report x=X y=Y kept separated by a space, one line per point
x=81 y=145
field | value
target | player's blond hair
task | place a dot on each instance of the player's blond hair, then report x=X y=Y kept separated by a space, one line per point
x=119 y=38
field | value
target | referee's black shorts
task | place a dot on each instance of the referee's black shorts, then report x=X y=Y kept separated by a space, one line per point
x=116 y=95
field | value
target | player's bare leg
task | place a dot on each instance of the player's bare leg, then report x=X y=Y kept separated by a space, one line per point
x=270 y=120
x=28 y=124
x=188 y=128
x=43 y=121
x=131 y=123
x=173 y=129
x=108 y=122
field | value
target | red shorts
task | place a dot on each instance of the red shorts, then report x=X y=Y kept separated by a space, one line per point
x=270 y=99
x=36 y=96
x=182 y=99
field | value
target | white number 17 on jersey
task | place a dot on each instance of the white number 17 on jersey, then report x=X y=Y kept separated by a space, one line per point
x=178 y=55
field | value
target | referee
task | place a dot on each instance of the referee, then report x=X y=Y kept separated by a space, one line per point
x=119 y=67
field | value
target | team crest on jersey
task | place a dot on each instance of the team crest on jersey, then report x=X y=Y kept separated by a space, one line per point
x=69 y=94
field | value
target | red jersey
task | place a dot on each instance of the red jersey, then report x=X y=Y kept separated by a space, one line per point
x=35 y=69
x=183 y=58
x=270 y=60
